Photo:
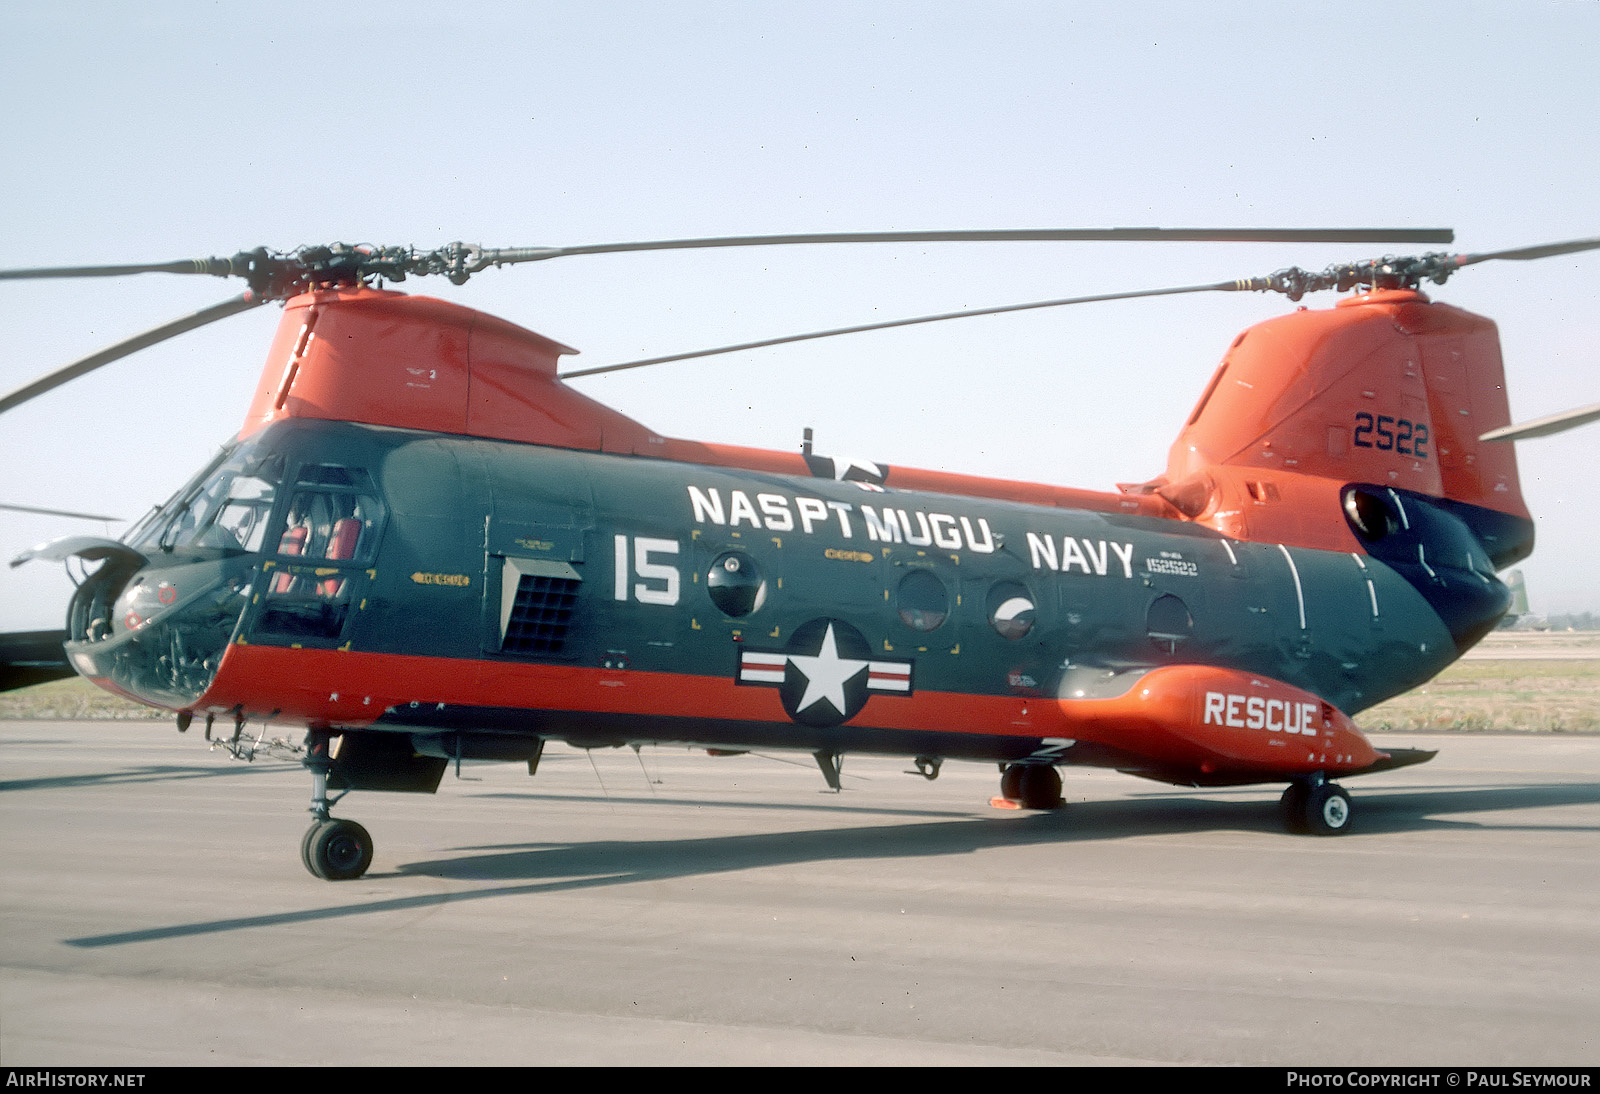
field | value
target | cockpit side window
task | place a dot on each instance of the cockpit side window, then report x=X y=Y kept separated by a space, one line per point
x=240 y=518
x=330 y=531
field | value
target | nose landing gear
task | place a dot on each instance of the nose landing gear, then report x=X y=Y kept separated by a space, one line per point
x=335 y=850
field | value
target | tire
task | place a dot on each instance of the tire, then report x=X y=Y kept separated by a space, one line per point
x=339 y=850
x=1292 y=808
x=1011 y=782
x=305 y=848
x=1327 y=811
x=1041 y=787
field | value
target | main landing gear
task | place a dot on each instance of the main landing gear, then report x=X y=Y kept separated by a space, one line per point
x=1316 y=807
x=336 y=850
x=1031 y=786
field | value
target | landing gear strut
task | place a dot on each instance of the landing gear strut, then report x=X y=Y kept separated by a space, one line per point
x=1315 y=806
x=336 y=850
x=1033 y=786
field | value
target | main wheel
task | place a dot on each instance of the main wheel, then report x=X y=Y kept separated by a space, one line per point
x=337 y=850
x=1041 y=787
x=1292 y=807
x=1011 y=782
x=1327 y=811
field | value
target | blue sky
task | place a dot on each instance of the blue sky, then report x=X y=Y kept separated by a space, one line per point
x=188 y=129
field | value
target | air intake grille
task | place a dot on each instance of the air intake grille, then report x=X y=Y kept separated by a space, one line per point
x=540 y=614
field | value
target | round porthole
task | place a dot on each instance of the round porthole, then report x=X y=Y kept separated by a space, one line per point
x=735 y=583
x=1170 y=624
x=922 y=601
x=1011 y=610
x=1368 y=514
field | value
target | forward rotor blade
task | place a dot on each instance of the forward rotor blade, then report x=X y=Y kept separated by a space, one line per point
x=1543 y=427
x=57 y=512
x=1524 y=254
x=216 y=267
x=1221 y=286
x=280 y=275
x=88 y=364
x=511 y=255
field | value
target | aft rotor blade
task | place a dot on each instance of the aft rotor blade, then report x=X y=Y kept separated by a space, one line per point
x=1524 y=254
x=1221 y=286
x=88 y=364
x=1543 y=427
x=510 y=255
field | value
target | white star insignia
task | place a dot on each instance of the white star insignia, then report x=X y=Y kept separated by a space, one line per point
x=826 y=674
x=843 y=465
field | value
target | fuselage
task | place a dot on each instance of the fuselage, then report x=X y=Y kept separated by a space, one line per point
x=364 y=577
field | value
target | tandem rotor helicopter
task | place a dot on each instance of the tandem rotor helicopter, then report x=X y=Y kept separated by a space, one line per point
x=424 y=546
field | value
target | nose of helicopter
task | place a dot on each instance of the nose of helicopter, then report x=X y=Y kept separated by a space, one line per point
x=156 y=634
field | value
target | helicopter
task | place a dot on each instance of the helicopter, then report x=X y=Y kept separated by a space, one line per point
x=424 y=546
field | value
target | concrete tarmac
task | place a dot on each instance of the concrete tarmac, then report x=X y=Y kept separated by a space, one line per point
x=674 y=908
x=1536 y=646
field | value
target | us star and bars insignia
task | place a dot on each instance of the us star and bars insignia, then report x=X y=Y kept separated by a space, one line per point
x=847 y=469
x=826 y=674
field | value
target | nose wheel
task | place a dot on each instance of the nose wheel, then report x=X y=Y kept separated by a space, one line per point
x=334 y=850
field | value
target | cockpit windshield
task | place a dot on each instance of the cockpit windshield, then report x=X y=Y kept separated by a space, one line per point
x=225 y=508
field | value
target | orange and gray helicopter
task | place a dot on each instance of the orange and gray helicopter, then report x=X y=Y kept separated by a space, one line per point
x=424 y=546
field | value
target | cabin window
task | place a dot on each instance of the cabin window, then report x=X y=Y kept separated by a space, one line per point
x=922 y=600
x=736 y=584
x=1368 y=514
x=1011 y=610
x=1170 y=624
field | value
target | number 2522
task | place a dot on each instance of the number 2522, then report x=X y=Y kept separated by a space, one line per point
x=1391 y=434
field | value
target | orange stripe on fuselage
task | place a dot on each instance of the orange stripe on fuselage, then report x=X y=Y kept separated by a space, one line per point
x=351 y=688
x=341 y=688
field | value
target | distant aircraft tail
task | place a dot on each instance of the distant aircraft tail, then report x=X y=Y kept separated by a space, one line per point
x=32 y=657
x=1519 y=595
